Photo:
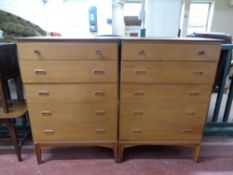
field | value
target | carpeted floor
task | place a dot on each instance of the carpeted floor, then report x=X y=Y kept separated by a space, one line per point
x=216 y=158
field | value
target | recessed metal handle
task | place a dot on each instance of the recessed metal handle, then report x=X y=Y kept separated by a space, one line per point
x=100 y=113
x=40 y=71
x=37 y=52
x=198 y=72
x=49 y=132
x=187 y=131
x=138 y=112
x=98 y=71
x=139 y=93
x=201 y=52
x=46 y=113
x=140 y=72
x=43 y=93
x=190 y=113
x=98 y=52
x=142 y=52
x=99 y=93
x=193 y=93
x=136 y=130
x=100 y=131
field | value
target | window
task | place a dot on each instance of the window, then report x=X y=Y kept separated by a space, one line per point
x=199 y=17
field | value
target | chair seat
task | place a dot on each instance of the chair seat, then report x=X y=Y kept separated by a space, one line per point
x=16 y=110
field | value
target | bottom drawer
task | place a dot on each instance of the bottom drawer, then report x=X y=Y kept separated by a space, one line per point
x=162 y=131
x=74 y=131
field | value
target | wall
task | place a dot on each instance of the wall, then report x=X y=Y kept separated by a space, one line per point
x=32 y=10
x=222 y=17
x=162 y=17
x=72 y=20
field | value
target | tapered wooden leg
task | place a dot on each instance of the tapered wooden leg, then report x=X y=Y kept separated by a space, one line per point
x=12 y=130
x=196 y=152
x=120 y=152
x=38 y=153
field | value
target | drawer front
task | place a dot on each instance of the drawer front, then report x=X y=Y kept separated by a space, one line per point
x=67 y=51
x=163 y=131
x=68 y=71
x=71 y=93
x=170 y=51
x=162 y=93
x=61 y=113
x=168 y=72
x=74 y=131
x=180 y=114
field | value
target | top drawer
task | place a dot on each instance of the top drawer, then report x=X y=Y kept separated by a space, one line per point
x=148 y=50
x=67 y=50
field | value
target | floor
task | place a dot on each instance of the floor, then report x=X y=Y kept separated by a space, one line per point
x=216 y=158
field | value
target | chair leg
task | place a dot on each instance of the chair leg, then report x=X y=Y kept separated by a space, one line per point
x=13 y=134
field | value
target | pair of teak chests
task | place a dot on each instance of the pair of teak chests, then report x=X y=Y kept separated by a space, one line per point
x=117 y=93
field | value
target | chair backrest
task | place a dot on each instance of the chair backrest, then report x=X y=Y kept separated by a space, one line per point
x=226 y=38
x=9 y=69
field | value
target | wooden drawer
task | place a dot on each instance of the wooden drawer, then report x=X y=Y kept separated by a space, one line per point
x=163 y=93
x=74 y=131
x=163 y=131
x=180 y=114
x=186 y=51
x=68 y=50
x=61 y=113
x=71 y=93
x=68 y=71
x=168 y=72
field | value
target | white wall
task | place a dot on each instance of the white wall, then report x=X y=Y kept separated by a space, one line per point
x=72 y=19
x=222 y=17
x=162 y=18
x=32 y=10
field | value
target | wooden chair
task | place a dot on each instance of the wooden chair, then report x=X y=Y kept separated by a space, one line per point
x=11 y=109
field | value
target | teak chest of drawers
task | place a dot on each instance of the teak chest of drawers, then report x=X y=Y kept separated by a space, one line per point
x=118 y=93
x=165 y=91
x=71 y=90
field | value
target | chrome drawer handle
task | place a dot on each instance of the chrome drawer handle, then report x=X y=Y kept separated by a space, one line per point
x=142 y=52
x=197 y=72
x=193 y=93
x=140 y=72
x=187 y=131
x=100 y=113
x=98 y=71
x=139 y=93
x=43 y=93
x=136 y=131
x=190 y=113
x=40 y=71
x=49 y=132
x=98 y=52
x=201 y=52
x=100 y=131
x=37 y=52
x=138 y=112
x=46 y=113
x=99 y=93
